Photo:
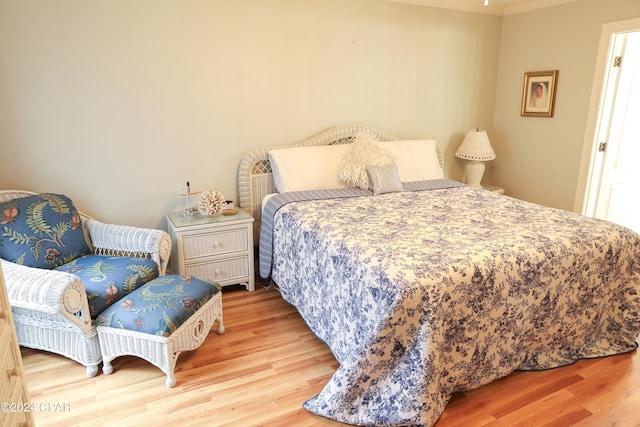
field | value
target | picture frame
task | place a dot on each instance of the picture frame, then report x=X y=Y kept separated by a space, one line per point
x=539 y=93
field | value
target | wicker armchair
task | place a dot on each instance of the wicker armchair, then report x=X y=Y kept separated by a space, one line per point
x=51 y=309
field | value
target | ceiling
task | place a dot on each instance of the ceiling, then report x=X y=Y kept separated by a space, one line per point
x=495 y=7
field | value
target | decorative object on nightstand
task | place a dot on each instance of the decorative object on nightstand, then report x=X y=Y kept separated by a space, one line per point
x=228 y=209
x=216 y=248
x=211 y=202
x=184 y=200
x=476 y=149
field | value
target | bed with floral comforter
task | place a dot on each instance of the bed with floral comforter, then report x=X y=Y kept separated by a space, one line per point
x=420 y=294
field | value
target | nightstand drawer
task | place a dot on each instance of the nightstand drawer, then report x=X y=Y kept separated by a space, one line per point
x=221 y=270
x=216 y=243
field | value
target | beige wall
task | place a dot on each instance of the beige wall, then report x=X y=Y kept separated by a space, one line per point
x=117 y=103
x=538 y=159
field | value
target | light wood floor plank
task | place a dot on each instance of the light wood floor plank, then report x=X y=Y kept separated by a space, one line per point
x=267 y=363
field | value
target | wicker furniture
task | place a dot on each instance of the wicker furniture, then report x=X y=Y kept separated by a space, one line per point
x=185 y=307
x=217 y=248
x=51 y=309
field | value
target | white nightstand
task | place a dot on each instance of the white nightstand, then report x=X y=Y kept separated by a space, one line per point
x=218 y=248
x=493 y=188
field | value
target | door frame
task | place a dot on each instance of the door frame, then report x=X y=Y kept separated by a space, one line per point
x=589 y=159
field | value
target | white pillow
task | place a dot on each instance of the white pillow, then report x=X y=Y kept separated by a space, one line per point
x=417 y=160
x=317 y=168
x=307 y=168
x=364 y=152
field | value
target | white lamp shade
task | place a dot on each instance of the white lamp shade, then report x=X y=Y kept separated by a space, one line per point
x=476 y=146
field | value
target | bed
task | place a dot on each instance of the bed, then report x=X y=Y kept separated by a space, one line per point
x=435 y=287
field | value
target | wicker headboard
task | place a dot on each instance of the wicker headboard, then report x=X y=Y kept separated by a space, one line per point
x=255 y=178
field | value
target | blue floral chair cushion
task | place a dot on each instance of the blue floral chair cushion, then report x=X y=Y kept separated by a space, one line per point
x=160 y=306
x=109 y=278
x=42 y=231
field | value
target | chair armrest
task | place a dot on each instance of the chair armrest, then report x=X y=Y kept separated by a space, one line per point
x=48 y=291
x=122 y=240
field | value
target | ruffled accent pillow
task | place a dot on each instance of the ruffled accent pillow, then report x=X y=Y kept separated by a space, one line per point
x=365 y=151
x=384 y=179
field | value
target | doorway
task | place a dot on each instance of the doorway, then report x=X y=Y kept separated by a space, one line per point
x=612 y=141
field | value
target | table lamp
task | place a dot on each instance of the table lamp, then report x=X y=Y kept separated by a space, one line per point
x=476 y=149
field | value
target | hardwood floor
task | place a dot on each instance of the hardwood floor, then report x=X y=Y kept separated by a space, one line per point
x=267 y=363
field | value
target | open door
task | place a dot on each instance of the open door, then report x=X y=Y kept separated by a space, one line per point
x=614 y=193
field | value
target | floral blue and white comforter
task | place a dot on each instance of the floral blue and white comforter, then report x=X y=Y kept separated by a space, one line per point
x=421 y=294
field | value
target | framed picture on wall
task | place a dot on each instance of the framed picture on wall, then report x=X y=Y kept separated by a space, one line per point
x=539 y=93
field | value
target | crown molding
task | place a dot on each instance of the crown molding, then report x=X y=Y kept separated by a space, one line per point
x=533 y=5
x=500 y=7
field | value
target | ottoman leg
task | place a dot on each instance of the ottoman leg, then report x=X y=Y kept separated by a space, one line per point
x=171 y=380
x=107 y=368
x=218 y=314
x=170 y=358
x=92 y=371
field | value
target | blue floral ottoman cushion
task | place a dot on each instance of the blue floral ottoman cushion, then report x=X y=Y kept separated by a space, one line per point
x=41 y=231
x=109 y=278
x=160 y=306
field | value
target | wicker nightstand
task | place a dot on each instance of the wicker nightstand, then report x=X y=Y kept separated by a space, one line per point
x=217 y=248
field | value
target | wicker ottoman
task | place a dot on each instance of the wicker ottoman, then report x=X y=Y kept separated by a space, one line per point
x=159 y=320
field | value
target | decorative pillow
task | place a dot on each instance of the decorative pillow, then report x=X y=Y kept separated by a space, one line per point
x=160 y=306
x=384 y=179
x=417 y=160
x=364 y=152
x=307 y=168
x=109 y=278
x=42 y=231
